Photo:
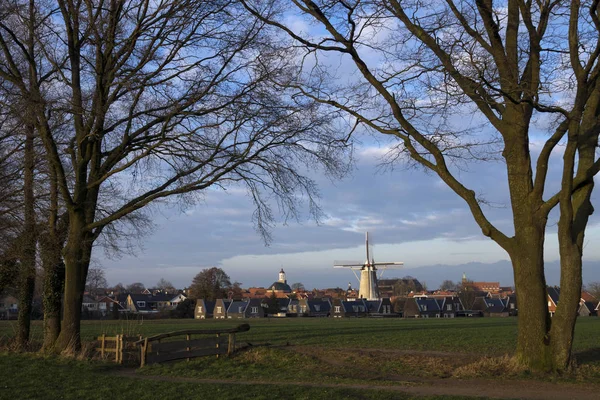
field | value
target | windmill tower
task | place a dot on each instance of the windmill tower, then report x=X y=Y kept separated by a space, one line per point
x=368 y=288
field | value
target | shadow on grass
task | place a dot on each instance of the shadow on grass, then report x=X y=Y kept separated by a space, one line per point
x=590 y=356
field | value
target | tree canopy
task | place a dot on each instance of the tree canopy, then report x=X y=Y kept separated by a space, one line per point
x=417 y=67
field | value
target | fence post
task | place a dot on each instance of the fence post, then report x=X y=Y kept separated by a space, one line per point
x=187 y=337
x=121 y=349
x=218 y=336
x=144 y=352
x=102 y=345
x=231 y=347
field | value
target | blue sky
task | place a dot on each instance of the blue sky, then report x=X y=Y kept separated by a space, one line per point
x=411 y=216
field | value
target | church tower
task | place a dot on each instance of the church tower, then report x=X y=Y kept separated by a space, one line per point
x=282 y=276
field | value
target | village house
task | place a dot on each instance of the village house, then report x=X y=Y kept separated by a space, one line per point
x=380 y=308
x=148 y=303
x=246 y=309
x=346 y=309
x=204 y=309
x=9 y=308
x=316 y=307
x=587 y=309
x=553 y=296
x=490 y=307
x=450 y=306
x=511 y=305
x=421 y=307
x=220 y=310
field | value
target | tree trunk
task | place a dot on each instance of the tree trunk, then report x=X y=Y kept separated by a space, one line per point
x=53 y=289
x=28 y=244
x=533 y=345
x=76 y=255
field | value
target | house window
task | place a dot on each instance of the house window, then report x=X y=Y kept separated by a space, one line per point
x=199 y=308
x=317 y=307
x=424 y=307
x=337 y=309
x=254 y=310
x=512 y=306
x=218 y=309
x=449 y=307
x=141 y=304
x=549 y=304
x=240 y=309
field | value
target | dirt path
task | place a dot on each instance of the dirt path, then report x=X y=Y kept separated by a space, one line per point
x=428 y=387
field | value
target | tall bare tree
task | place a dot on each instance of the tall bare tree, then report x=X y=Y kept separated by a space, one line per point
x=511 y=63
x=161 y=99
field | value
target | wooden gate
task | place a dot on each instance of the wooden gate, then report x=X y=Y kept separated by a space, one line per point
x=120 y=344
x=216 y=341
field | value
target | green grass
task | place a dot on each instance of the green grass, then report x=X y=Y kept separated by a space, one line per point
x=294 y=350
x=35 y=377
x=482 y=336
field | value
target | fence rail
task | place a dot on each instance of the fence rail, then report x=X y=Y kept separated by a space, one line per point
x=153 y=350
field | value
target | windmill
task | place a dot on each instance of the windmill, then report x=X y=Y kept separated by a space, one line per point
x=368 y=273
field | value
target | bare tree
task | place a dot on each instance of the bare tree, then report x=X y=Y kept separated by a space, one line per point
x=160 y=99
x=448 y=285
x=510 y=63
x=165 y=285
x=96 y=281
x=136 y=287
x=593 y=288
x=297 y=286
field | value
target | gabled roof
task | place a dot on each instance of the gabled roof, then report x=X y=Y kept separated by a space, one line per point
x=589 y=305
x=355 y=306
x=324 y=305
x=554 y=293
x=373 y=305
x=430 y=304
x=235 y=306
x=494 y=305
x=209 y=306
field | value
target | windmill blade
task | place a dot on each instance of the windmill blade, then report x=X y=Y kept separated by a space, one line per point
x=347 y=264
x=389 y=263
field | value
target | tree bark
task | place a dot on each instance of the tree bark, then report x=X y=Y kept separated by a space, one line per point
x=533 y=344
x=54 y=278
x=28 y=243
x=76 y=254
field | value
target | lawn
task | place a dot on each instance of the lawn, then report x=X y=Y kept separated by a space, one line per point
x=482 y=336
x=354 y=354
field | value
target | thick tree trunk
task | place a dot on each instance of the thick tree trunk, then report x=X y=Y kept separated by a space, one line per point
x=533 y=344
x=76 y=255
x=571 y=230
x=54 y=279
x=54 y=269
x=28 y=244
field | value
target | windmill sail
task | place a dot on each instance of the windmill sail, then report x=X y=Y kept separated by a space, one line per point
x=368 y=288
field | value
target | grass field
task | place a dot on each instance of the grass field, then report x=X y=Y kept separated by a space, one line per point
x=346 y=352
x=483 y=336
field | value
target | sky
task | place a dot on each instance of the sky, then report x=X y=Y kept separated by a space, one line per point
x=411 y=216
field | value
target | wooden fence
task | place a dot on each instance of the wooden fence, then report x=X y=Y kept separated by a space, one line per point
x=120 y=345
x=221 y=341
